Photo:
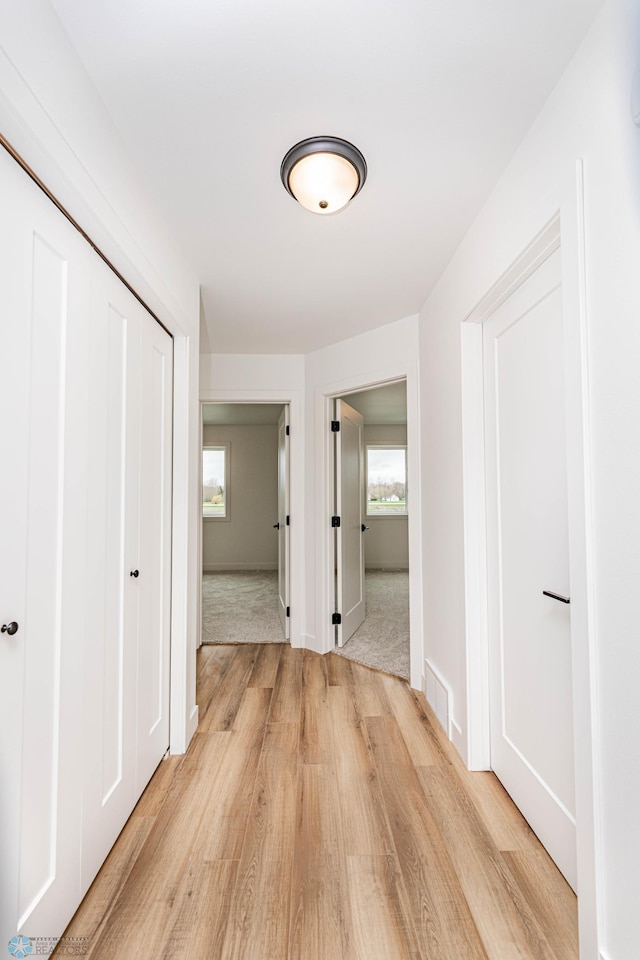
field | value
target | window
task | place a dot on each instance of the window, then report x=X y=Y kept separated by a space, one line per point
x=386 y=481
x=215 y=482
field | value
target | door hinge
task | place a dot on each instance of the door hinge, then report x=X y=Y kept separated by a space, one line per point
x=335 y=426
x=335 y=521
x=336 y=619
x=287 y=431
x=288 y=520
x=288 y=611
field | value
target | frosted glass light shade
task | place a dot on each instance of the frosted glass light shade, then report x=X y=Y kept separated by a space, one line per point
x=323 y=173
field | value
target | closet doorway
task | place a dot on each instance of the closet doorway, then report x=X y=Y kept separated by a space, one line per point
x=371 y=543
x=245 y=523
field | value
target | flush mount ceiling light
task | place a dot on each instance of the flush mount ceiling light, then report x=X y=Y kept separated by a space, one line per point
x=323 y=173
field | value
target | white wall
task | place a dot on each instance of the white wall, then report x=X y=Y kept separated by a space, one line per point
x=386 y=542
x=587 y=117
x=50 y=112
x=245 y=539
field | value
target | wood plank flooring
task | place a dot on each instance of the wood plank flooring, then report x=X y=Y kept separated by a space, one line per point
x=321 y=814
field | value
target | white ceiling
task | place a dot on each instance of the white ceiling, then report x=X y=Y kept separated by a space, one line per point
x=208 y=96
x=386 y=404
x=240 y=414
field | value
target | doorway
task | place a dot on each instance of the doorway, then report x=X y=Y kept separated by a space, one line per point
x=570 y=345
x=245 y=523
x=529 y=613
x=371 y=541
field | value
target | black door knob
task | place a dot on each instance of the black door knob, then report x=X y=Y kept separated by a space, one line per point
x=134 y=573
x=9 y=628
x=364 y=527
x=276 y=526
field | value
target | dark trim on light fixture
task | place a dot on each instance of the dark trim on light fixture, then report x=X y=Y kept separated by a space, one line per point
x=342 y=148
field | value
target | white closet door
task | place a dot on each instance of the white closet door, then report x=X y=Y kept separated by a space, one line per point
x=43 y=304
x=85 y=501
x=109 y=755
x=154 y=547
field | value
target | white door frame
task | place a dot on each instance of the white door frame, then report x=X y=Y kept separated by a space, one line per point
x=580 y=539
x=293 y=399
x=323 y=406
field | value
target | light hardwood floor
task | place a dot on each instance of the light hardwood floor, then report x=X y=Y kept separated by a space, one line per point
x=321 y=814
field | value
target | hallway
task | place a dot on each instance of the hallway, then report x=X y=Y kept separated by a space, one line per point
x=319 y=814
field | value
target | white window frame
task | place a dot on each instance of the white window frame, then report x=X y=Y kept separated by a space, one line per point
x=384 y=446
x=226 y=446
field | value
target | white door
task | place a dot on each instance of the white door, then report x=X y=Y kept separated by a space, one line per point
x=528 y=553
x=44 y=301
x=349 y=501
x=126 y=678
x=153 y=559
x=111 y=607
x=283 y=523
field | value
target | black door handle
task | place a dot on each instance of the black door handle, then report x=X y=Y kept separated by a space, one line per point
x=276 y=526
x=556 y=596
x=364 y=527
x=134 y=573
x=9 y=628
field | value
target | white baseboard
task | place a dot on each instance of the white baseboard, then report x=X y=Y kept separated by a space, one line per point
x=221 y=567
x=458 y=740
x=438 y=694
x=311 y=643
x=389 y=565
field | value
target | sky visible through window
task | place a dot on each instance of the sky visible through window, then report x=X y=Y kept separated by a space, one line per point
x=386 y=480
x=213 y=483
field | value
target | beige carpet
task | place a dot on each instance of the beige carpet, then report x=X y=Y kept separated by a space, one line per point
x=383 y=639
x=240 y=606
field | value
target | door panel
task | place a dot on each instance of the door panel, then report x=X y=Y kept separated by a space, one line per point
x=45 y=300
x=349 y=500
x=112 y=598
x=154 y=547
x=530 y=640
x=283 y=527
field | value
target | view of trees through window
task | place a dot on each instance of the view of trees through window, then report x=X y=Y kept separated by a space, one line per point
x=386 y=481
x=214 y=502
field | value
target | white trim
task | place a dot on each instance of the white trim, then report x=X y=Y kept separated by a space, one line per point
x=323 y=400
x=540 y=249
x=583 y=614
x=230 y=567
x=439 y=696
x=183 y=710
x=477 y=751
x=311 y=643
x=296 y=479
x=580 y=536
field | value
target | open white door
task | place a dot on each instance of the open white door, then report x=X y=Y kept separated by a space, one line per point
x=283 y=522
x=528 y=553
x=349 y=500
